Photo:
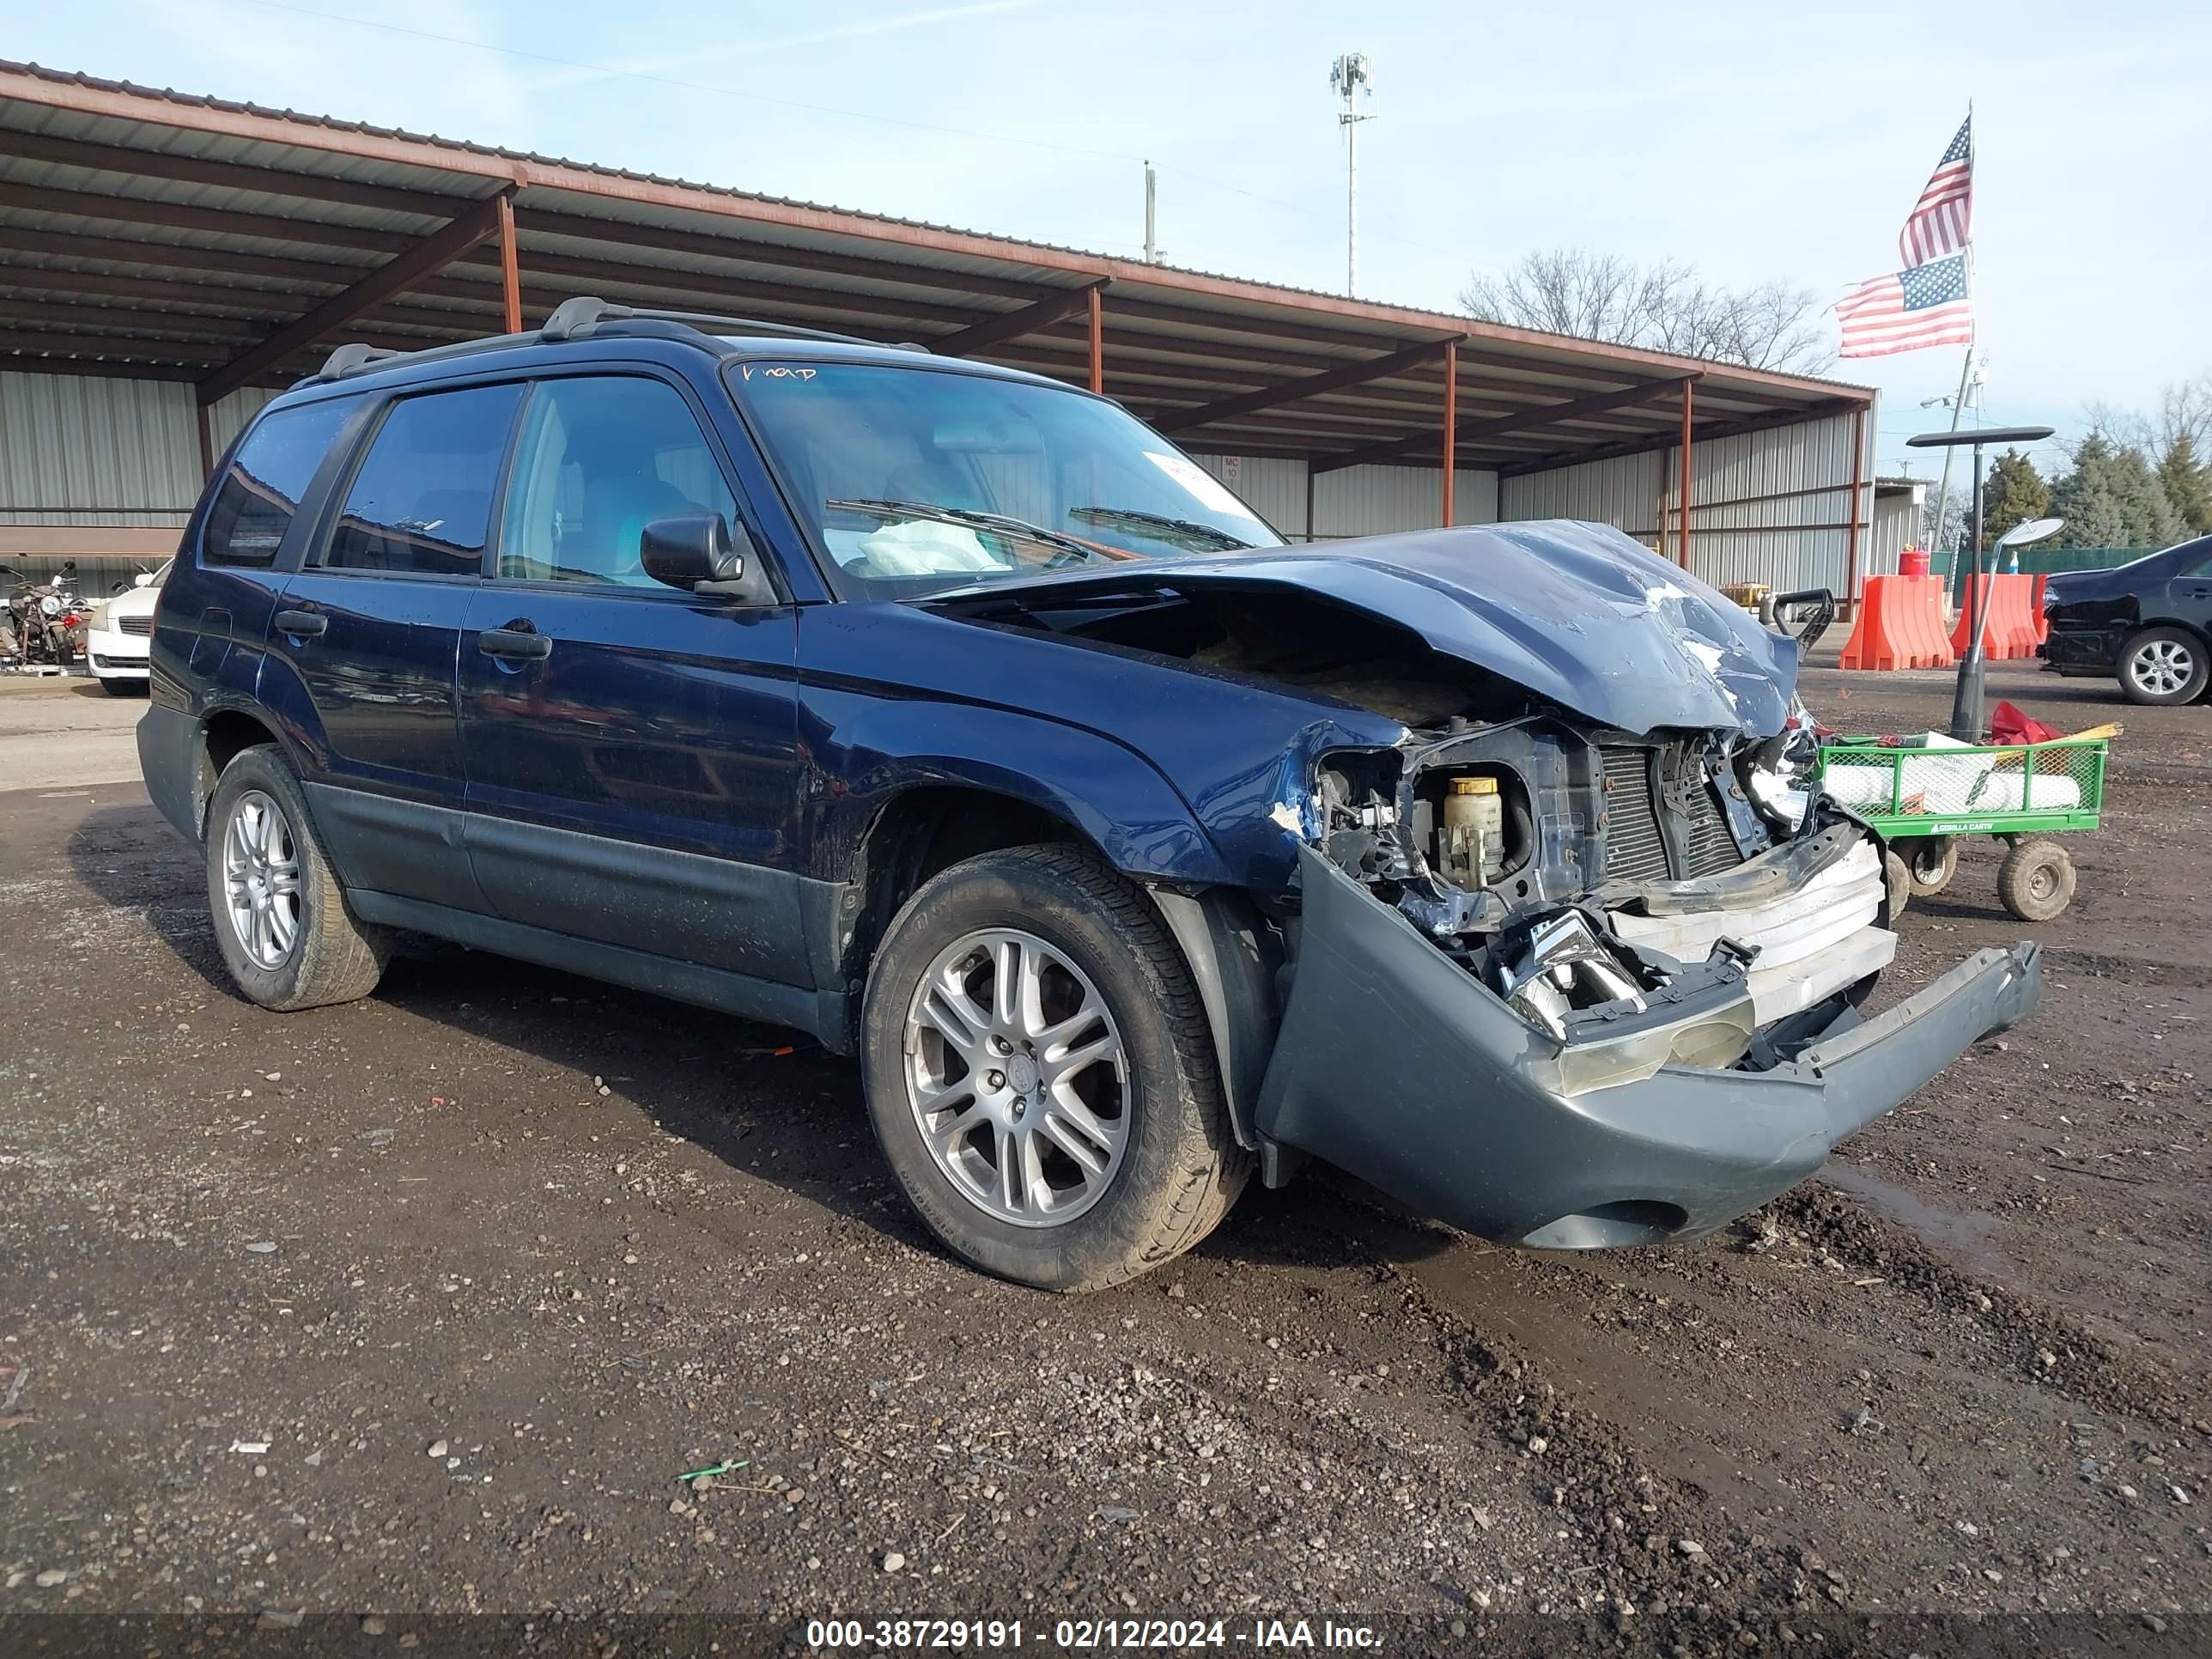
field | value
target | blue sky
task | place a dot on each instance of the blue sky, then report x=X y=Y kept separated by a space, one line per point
x=1753 y=141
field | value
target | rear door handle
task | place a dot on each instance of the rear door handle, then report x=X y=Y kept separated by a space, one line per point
x=302 y=624
x=515 y=644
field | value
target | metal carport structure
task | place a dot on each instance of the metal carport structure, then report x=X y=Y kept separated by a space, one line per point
x=193 y=243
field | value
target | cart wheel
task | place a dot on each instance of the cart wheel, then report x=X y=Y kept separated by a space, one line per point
x=2036 y=880
x=1930 y=861
x=1900 y=884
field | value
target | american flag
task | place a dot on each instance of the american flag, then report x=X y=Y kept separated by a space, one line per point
x=1940 y=220
x=1928 y=306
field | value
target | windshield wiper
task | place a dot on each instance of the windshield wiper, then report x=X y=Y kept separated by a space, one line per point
x=977 y=519
x=1209 y=535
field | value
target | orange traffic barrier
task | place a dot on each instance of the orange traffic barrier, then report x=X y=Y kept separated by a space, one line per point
x=1900 y=625
x=2009 y=632
x=2042 y=622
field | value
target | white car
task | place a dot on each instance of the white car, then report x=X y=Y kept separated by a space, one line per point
x=121 y=630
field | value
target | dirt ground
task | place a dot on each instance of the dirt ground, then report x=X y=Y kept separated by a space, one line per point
x=418 y=1308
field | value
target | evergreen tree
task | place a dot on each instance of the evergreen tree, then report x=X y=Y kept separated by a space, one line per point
x=2012 y=494
x=2188 y=483
x=2085 y=499
x=2149 y=516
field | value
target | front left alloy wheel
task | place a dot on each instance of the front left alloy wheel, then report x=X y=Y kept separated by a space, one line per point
x=281 y=920
x=1040 y=1075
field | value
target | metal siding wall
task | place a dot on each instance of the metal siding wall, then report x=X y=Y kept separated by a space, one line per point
x=1623 y=492
x=1360 y=501
x=1377 y=500
x=1756 y=502
x=1896 y=526
x=80 y=449
x=1273 y=488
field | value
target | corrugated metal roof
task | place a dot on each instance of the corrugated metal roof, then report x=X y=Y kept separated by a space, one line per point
x=166 y=234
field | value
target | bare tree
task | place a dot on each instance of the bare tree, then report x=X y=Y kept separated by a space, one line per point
x=1664 y=307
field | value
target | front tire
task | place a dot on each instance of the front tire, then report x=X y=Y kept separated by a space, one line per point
x=1041 y=1076
x=2161 y=666
x=281 y=920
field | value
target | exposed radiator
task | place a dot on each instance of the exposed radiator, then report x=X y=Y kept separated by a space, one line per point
x=1712 y=848
x=1634 y=850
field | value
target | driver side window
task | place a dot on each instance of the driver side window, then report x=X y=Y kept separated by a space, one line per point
x=602 y=457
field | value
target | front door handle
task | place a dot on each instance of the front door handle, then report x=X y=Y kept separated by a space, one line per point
x=515 y=644
x=302 y=624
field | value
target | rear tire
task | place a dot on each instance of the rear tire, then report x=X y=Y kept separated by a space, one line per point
x=2161 y=666
x=280 y=918
x=2036 y=880
x=1159 y=1163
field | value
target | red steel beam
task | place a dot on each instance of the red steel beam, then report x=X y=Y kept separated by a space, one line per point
x=510 y=266
x=1311 y=386
x=1852 y=545
x=1689 y=405
x=1097 y=337
x=479 y=224
x=1451 y=425
x=1530 y=420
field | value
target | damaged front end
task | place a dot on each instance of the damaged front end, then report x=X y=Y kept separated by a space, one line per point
x=1571 y=988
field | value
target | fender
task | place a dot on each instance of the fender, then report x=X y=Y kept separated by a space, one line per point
x=1116 y=798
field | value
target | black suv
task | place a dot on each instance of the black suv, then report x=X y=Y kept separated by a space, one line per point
x=951 y=715
x=2147 y=624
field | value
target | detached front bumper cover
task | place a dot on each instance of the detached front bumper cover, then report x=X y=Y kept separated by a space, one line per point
x=1395 y=1064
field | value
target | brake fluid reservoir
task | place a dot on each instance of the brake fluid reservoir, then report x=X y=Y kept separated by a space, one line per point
x=1474 y=827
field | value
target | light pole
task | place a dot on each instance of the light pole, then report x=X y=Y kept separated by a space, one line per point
x=1350 y=75
x=1966 y=701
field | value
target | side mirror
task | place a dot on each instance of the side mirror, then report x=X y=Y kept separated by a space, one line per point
x=707 y=555
x=690 y=549
x=143 y=578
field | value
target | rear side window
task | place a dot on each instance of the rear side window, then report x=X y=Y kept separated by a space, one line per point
x=421 y=503
x=601 y=458
x=260 y=491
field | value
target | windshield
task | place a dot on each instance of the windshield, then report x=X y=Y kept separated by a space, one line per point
x=915 y=479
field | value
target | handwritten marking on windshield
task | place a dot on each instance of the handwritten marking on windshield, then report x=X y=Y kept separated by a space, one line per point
x=778 y=372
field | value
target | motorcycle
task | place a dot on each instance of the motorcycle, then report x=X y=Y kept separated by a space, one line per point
x=48 y=621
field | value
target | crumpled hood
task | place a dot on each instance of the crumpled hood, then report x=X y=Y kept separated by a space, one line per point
x=1577 y=613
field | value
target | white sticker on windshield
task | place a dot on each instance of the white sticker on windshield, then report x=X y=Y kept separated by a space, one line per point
x=1201 y=483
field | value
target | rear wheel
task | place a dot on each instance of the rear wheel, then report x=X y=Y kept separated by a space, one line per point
x=1040 y=1072
x=2163 y=666
x=281 y=920
x=2036 y=880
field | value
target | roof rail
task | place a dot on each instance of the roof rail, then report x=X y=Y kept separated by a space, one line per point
x=351 y=358
x=356 y=358
x=571 y=320
x=582 y=315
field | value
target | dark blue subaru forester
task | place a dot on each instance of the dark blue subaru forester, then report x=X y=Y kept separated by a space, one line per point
x=953 y=716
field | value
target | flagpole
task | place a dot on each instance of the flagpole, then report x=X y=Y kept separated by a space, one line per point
x=1943 y=495
x=1965 y=373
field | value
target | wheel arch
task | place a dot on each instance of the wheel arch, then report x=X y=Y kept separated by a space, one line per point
x=1232 y=954
x=226 y=731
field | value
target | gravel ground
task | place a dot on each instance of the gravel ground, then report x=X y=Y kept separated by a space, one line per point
x=418 y=1308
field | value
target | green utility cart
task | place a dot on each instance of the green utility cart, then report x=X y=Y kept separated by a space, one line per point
x=1922 y=796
